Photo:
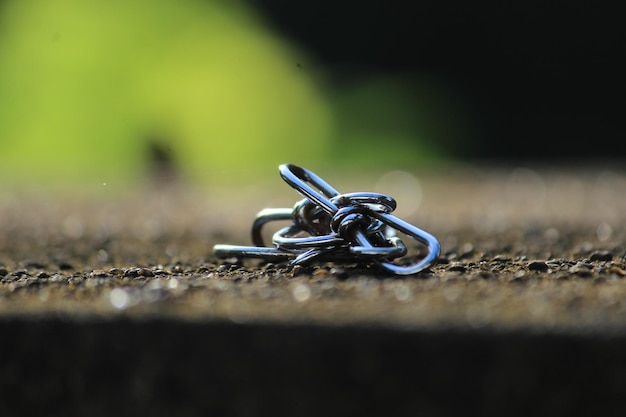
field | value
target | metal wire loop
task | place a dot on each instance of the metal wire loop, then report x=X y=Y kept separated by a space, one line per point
x=333 y=227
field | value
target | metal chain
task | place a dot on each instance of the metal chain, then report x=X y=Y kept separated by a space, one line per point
x=332 y=227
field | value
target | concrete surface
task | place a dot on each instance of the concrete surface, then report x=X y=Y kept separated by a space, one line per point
x=117 y=305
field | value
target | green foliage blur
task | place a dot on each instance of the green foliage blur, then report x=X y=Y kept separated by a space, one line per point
x=96 y=92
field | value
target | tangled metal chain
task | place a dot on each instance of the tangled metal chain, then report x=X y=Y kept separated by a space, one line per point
x=333 y=227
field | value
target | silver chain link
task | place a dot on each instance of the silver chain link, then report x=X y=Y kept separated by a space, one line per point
x=329 y=226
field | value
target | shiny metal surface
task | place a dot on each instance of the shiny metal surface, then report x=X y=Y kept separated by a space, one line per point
x=333 y=227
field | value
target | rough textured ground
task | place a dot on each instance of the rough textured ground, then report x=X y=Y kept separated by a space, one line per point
x=527 y=303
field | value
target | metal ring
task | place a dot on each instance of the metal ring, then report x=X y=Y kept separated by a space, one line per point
x=283 y=239
x=300 y=178
x=265 y=216
x=396 y=250
x=374 y=201
x=311 y=218
x=414 y=232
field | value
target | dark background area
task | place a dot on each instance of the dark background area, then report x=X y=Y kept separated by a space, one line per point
x=544 y=79
x=162 y=368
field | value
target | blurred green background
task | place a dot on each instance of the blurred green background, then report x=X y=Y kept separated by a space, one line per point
x=120 y=92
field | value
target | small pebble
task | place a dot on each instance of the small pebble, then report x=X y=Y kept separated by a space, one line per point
x=501 y=258
x=339 y=273
x=297 y=270
x=581 y=271
x=145 y=272
x=64 y=266
x=98 y=273
x=34 y=265
x=57 y=278
x=540 y=266
x=457 y=267
x=585 y=265
x=601 y=256
x=520 y=276
x=321 y=272
x=131 y=273
x=483 y=275
x=466 y=250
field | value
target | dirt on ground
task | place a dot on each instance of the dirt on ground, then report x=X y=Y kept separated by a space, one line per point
x=520 y=247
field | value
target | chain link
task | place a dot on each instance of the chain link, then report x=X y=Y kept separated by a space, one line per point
x=328 y=226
